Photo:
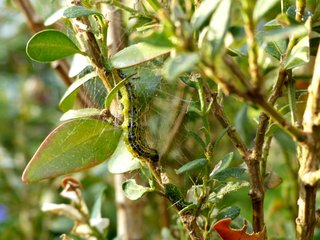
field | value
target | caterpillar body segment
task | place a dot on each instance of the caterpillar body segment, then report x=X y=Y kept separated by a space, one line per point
x=130 y=125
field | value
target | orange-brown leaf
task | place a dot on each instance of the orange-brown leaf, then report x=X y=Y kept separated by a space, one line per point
x=223 y=229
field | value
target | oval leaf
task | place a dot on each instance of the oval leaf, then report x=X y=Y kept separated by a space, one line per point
x=50 y=45
x=78 y=11
x=68 y=99
x=192 y=165
x=134 y=191
x=230 y=212
x=73 y=146
x=180 y=64
x=300 y=54
x=229 y=174
x=203 y=13
x=223 y=164
x=80 y=113
x=136 y=54
x=262 y=7
x=216 y=31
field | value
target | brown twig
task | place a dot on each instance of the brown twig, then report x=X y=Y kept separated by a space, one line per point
x=235 y=138
x=236 y=71
x=309 y=173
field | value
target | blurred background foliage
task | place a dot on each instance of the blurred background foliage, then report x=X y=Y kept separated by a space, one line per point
x=29 y=97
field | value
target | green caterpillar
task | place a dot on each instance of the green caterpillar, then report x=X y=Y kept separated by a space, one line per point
x=131 y=124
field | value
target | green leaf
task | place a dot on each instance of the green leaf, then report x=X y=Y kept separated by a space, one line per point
x=299 y=55
x=182 y=63
x=230 y=187
x=198 y=163
x=198 y=139
x=283 y=33
x=79 y=11
x=50 y=45
x=229 y=174
x=80 y=113
x=220 y=137
x=276 y=48
x=222 y=164
x=155 y=38
x=122 y=160
x=67 y=100
x=134 y=191
x=244 y=125
x=97 y=207
x=174 y=195
x=262 y=7
x=230 y=212
x=71 y=147
x=137 y=54
x=114 y=91
x=203 y=13
x=217 y=32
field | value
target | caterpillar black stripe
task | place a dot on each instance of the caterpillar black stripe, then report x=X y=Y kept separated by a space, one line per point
x=131 y=124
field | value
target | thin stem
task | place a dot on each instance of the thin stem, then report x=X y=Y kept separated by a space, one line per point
x=236 y=71
x=264 y=118
x=234 y=136
x=93 y=51
x=256 y=98
x=249 y=26
x=265 y=154
x=300 y=6
x=292 y=100
x=203 y=110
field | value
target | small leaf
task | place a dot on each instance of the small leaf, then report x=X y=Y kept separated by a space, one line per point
x=122 y=161
x=262 y=7
x=300 y=54
x=198 y=163
x=80 y=113
x=222 y=164
x=217 y=32
x=219 y=138
x=229 y=187
x=175 y=195
x=71 y=147
x=230 y=212
x=78 y=11
x=136 y=54
x=276 y=48
x=67 y=100
x=227 y=233
x=283 y=33
x=229 y=174
x=272 y=180
x=96 y=209
x=180 y=64
x=244 y=125
x=114 y=91
x=203 y=13
x=133 y=191
x=198 y=139
x=155 y=38
x=50 y=45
